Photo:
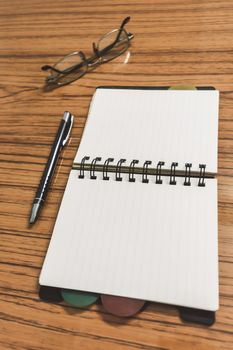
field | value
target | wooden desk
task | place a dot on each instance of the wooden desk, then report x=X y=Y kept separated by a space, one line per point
x=176 y=42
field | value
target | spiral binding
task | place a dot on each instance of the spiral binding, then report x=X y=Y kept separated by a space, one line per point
x=173 y=173
x=187 y=175
x=105 y=169
x=81 y=174
x=118 y=169
x=92 y=169
x=131 y=170
x=158 y=173
x=201 y=181
x=144 y=171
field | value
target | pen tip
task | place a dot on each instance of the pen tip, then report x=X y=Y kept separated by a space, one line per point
x=31 y=220
x=34 y=213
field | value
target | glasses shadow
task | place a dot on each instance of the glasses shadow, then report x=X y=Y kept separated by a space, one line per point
x=50 y=87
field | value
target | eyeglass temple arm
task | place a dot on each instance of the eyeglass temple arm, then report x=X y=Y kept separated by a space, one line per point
x=99 y=53
x=47 y=67
x=124 y=22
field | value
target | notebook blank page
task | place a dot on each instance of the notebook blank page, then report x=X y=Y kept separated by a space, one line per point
x=172 y=126
x=146 y=241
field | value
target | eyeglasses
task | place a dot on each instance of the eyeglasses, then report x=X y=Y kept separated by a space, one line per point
x=75 y=65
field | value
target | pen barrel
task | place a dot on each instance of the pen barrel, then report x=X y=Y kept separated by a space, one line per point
x=46 y=177
x=51 y=165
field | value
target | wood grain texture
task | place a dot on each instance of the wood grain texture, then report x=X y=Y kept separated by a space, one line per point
x=176 y=42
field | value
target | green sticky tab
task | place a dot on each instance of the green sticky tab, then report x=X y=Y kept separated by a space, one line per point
x=78 y=299
x=182 y=87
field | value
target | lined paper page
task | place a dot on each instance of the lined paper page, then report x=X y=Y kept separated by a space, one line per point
x=172 y=126
x=146 y=241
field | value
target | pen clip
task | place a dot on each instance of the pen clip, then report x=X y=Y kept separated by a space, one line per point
x=69 y=126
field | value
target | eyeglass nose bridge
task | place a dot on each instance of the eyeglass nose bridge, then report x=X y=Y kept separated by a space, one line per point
x=95 y=63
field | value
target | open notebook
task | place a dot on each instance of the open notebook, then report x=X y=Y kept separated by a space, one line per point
x=153 y=237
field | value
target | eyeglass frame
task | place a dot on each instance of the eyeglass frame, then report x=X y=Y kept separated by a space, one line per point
x=95 y=60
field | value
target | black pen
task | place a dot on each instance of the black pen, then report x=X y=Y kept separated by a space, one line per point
x=59 y=142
